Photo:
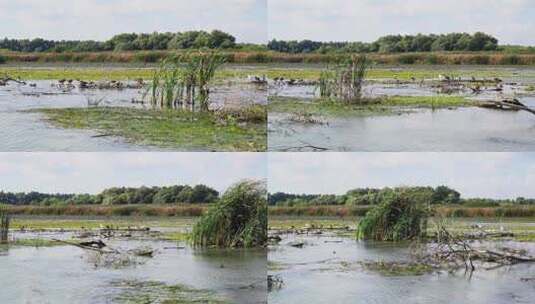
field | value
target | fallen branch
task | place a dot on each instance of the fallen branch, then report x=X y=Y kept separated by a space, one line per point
x=87 y=247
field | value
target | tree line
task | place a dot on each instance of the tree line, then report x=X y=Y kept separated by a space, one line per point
x=127 y=42
x=198 y=194
x=393 y=44
x=374 y=196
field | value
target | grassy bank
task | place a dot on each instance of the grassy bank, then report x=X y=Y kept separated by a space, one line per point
x=168 y=128
x=444 y=211
x=428 y=58
x=77 y=222
x=124 y=57
x=376 y=106
x=92 y=73
x=95 y=72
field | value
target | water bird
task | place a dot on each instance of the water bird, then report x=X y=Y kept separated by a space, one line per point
x=444 y=77
x=257 y=79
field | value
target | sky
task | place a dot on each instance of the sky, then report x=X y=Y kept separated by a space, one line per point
x=511 y=21
x=94 y=172
x=490 y=175
x=101 y=19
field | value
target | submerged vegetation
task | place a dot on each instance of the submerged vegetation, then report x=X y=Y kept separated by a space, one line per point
x=137 y=292
x=399 y=217
x=375 y=106
x=184 y=130
x=238 y=219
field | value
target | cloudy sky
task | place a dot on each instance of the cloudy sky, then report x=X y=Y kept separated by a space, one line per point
x=93 y=172
x=101 y=19
x=499 y=175
x=511 y=21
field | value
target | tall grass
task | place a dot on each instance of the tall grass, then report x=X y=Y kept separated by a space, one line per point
x=432 y=58
x=183 y=80
x=118 y=210
x=239 y=219
x=344 y=81
x=397 y=218
x=4 y=224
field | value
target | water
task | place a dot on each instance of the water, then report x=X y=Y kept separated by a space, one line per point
x=65 y=274
x=456 y=130
x=23 y=131
x=318 y=273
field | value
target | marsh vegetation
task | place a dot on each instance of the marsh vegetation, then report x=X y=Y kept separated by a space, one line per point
x=238 y=219
x=189 y=102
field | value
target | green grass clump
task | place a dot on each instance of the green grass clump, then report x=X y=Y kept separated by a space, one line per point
x=181 y=130
x=138 y=292
x=394 y=269
x=372 y=107
x=397 y=218
x=427 y=101
x=239 y=219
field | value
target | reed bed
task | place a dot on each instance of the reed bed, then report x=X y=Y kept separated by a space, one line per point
x=442 y=211
x=147 y=57
x=344 y=81
x=397 y=218
x=183 y=80
x=4 y=224
x=338 y=211
x=239 y=219
x=100 y=210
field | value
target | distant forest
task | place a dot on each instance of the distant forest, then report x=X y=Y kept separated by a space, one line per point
x=374 y=196
x=199 y=194
x=127 y=42
x=221 y=40
x=394 y=44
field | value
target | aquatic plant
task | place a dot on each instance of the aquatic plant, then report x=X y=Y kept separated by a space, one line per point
x=184 y=79
x=4 y=224
x=344 y=81
x=239 y=219
x=396 y=218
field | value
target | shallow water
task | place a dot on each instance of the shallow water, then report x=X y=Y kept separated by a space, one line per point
x=22 y=131
x=65 y=274
x=463 y=129
x=316 y=274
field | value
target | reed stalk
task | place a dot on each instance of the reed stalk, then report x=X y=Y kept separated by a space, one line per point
x=4 y=224
x=183 y=81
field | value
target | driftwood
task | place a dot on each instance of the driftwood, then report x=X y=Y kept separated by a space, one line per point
x=455 y=251
x=7 y=79
x=507 y=105
x=87 y=246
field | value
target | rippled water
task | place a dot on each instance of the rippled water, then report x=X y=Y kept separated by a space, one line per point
x=64 y=274
x=315 y=274
x=22 y=131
